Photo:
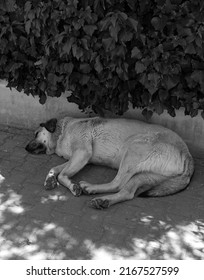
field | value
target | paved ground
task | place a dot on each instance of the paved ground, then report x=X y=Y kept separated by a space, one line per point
x=39 y=224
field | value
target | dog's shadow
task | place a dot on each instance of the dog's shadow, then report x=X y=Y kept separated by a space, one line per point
x=40 y=224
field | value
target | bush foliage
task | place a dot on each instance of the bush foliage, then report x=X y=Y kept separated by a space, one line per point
x=109 y=53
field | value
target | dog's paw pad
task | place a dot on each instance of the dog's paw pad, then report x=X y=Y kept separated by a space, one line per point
x=98 y=203
x=77 y=190
x=51 y=183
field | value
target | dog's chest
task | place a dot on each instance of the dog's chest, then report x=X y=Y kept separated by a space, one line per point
x=63 y=148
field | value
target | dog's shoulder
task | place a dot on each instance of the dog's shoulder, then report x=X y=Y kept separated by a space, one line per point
x=82 y=123
x=95 y=121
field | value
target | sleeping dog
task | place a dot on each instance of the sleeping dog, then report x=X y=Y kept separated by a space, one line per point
x=150 y=159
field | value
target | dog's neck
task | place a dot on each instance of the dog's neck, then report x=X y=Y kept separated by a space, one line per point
x=55 y=136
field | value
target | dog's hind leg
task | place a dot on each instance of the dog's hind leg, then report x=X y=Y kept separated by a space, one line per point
x=148 y=155
x=129 y=166
x=137 y=184
x=149 y=183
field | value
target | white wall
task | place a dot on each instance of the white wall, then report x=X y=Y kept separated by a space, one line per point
x=20 y=110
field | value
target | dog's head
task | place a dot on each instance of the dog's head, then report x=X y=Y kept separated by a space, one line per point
x=42 y=143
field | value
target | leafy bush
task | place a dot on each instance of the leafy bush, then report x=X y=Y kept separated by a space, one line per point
x=109 y=53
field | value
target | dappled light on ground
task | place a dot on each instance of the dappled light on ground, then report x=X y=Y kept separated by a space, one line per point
x=34 y=238
x=175 y=243
x=2 y=178
x=12 y=204
x=179 y=242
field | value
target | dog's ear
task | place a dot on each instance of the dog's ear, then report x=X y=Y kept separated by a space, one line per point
x=50 y=125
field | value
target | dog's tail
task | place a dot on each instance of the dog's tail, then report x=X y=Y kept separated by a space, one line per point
x=174 y=184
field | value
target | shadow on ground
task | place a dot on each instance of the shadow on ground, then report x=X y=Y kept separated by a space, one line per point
x=39 y=224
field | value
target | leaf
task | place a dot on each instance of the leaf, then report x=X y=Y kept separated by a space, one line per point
x=139 y=67
x=154 y=78
x=147 y=114
x=171 y=81
x=13 y=66
x=190 y=49
x=114 y=32
x=77 y=51
x=28 y=26
x=84 y=79
x=98 y=66
x=171 y=111
x=143 y=79
x=43 y=86
x=146 y=97
x=123 y=15
x=119 y=51
x=68 y=45
x=52 y=78
x=89 y=29
x=198 y=76
x=43 y=98
x=10 y=5
x=159 y=109
x=168 y=6
x=85 y=43
x=163 y=94
x=199 y=42
x=131 y=4
x=75 y=3
x=85 y=68
x=125 y=36
x=156 y=22
x=77 y=25
x=3 y=60
x=38 y=63
x=136 y=53
x=159 y=23
x=108 y=43
x=193 y=112
x=133 y=23
x=27 y=6
x=68 y=67
x=196 y=105
x=174 y=101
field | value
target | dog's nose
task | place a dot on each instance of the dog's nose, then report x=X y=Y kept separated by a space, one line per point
x=35 y=148
x=31 y=146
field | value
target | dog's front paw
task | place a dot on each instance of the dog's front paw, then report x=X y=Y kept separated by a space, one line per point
x=86 y=187
x=76 y=189
x=51 y=182
x=99 y=203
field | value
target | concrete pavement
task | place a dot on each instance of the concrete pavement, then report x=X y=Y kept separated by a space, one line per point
x=40 y=224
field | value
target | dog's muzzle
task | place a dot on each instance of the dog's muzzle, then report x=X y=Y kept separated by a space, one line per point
x=35 y=148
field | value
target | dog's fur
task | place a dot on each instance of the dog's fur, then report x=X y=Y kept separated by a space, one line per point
x=150 y=159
